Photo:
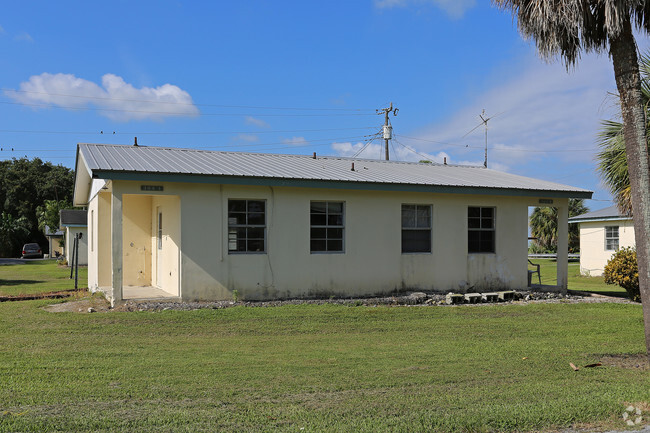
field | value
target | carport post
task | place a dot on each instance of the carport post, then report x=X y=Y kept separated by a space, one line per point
x=72 y=259
x=76 y=262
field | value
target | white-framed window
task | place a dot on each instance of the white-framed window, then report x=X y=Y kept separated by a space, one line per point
x=327 y=226
x=481 y=230
x=611 y=238
x=416 y=228
x=246 y=226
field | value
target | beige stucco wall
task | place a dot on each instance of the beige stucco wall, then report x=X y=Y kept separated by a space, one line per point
x=372 y=262
x=593 y=255
x=99 y=241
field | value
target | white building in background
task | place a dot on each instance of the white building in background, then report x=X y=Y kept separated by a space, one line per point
x=602 y=233
x=75 y=223
x=198 y=225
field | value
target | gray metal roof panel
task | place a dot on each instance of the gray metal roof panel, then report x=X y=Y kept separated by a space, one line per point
x=611 y=212
x=124 y=158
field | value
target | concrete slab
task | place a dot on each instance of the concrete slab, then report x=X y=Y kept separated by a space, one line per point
x=144 y=292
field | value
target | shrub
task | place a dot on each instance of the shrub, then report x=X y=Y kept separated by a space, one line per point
x=622 y=269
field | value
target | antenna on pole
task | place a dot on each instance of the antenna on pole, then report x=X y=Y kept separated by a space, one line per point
x=485 y=122
x=388 y=129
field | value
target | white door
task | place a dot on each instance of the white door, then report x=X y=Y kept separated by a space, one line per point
x=159 y=248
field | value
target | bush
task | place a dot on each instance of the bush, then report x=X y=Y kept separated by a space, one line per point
x=622 y=269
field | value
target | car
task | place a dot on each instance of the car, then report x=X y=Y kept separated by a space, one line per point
x=31 y=251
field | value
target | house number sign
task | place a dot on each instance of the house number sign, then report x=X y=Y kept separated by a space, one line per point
x=545 y=201
x=151 y=188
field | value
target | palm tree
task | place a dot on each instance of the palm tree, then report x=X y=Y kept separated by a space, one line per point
x=612 y=162
x=543 y=226
x=566 y=28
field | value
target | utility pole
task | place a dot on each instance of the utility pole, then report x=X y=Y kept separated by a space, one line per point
x=388 y=130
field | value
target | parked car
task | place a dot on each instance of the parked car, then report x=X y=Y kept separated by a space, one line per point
x=31 y=251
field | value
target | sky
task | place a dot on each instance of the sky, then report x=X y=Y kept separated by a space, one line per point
x=300 y=77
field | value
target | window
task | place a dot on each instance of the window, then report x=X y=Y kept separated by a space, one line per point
x=416 y=228
x=611 y=237
x=246 y=226
x=480 y=230
x=327 y=226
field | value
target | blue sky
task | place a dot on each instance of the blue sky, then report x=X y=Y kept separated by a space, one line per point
x=298 y=77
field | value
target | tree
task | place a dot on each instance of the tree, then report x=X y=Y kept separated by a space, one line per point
x=26 y=184
x=566 y=28
x=543 y=226
x=612 y=161
x=12 y=232
x=48 y=214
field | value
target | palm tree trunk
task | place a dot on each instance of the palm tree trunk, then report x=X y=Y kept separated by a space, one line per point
x=628 y=81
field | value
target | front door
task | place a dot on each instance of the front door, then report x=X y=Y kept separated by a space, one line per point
x=159 y=248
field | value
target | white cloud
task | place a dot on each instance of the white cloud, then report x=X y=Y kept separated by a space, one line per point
x=377 y=151
x=120 y=100
x=2 y=30
x=23 y=37
x=249 y=138
x=295 y=141
x=454 y=8
x=543 y=111
x=250 y=120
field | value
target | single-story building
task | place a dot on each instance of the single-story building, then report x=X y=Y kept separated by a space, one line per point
x=602 y=233
x=75 y=223
x=200 y=225
x=54 y=242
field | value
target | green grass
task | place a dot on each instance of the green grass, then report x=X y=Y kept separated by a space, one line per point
x=38 y=276
x=576 y=281
x=314 y=368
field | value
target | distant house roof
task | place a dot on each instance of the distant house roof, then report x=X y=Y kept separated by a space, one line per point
x=121 y=162
x=73 y=217
x=608 y=214
x=49 y=232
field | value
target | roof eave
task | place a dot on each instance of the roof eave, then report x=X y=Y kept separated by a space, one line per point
x=315 y=183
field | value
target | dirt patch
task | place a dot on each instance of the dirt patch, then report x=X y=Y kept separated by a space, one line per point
x=638 y=361
x=98 y=304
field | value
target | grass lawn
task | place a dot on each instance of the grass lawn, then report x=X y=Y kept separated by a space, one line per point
x=576 y=281
x=326 y=368
x=38 y=276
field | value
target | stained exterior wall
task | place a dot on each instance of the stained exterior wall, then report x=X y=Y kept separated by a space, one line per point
x=372 y=262
x=593 y=255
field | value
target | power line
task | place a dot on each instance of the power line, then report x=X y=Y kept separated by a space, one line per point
x=496 y=149
x=168 y=113
x=26 y=131
x=183 y=103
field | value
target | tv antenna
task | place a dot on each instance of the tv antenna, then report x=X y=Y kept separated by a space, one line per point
x=485 y=122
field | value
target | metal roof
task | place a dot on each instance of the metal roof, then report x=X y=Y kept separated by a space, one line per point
x=73 y=217
x=108 y=161
x=609 y=213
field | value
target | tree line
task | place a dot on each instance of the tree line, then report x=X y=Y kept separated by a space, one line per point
x=31 y=194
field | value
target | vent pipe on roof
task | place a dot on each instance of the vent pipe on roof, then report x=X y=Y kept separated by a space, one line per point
x=352 y=167
x=445 y=160
x=314 y=155
x=135 y=142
